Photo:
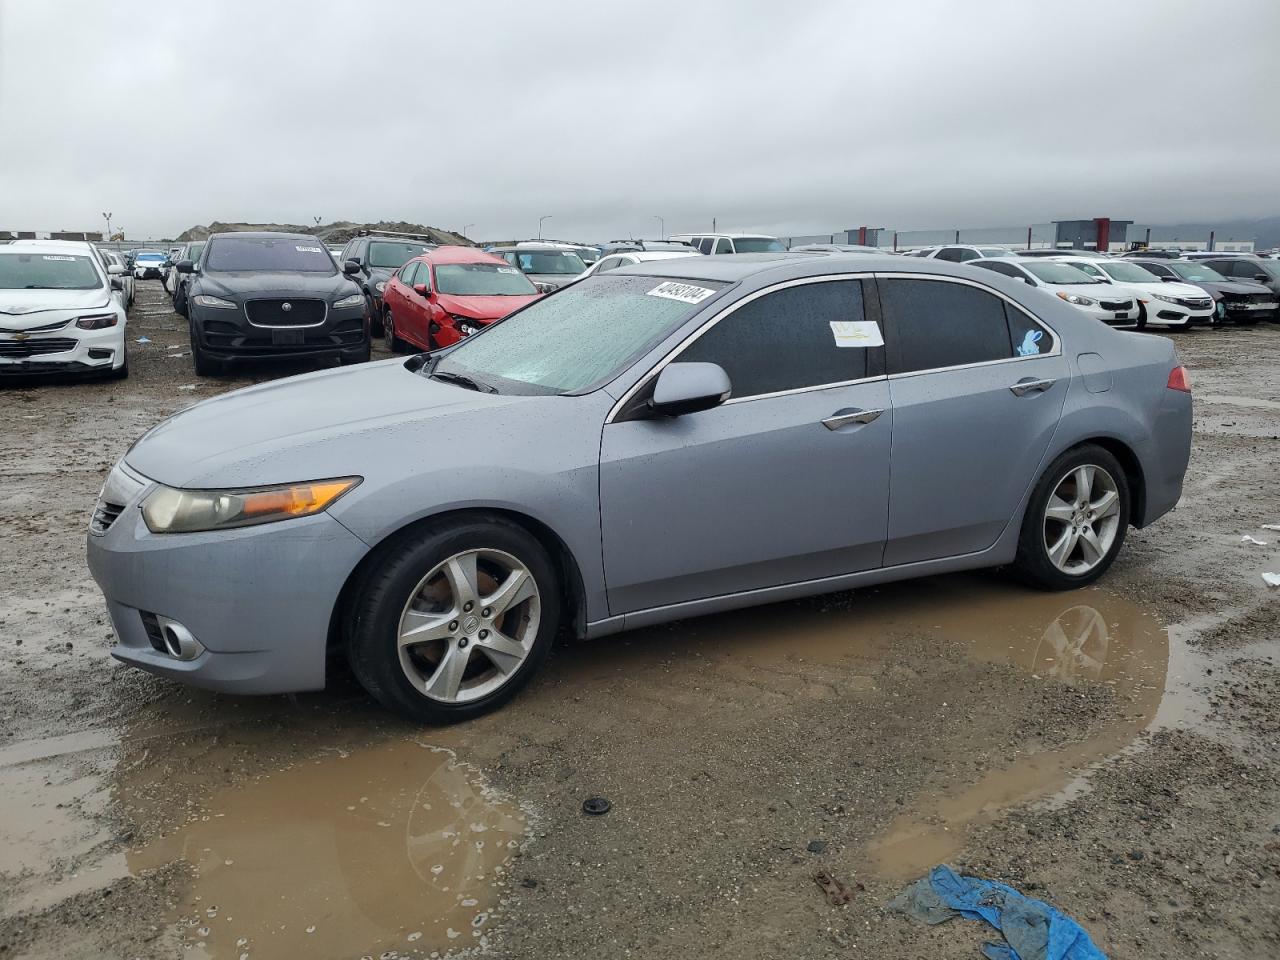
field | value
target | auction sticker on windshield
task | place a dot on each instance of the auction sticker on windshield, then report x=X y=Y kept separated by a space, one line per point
x=67 y=259
x=856 y=333
x=684 y=292
x=307 y=249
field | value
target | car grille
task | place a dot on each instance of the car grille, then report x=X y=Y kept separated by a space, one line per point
x=273 y=313
x=227 y=337
x=1196 y=303
x=1116 y=304
x=122 y=486
x=35 y=348
x=57 y=325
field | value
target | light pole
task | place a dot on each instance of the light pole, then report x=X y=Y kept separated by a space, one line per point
x=465 y=228
x=662 y=227
x=107 y=217
x=540 y=219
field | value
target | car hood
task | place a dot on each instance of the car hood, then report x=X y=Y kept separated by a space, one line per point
x=1172 y=289
x=18 y=303
x=327 y=420
x=261 y=283
x=483 y=308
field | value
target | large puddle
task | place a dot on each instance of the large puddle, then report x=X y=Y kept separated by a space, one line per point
x=336 y=848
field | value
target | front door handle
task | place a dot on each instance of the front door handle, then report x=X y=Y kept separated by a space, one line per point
x=1023 y=387
x=844 y=418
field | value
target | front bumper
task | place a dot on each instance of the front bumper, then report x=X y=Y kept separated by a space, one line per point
x=86 y=351
x=1236 y=310
x=1112 y=317
x=1176 y=314
x=149 y=273
x=257 y=599
x=228 y=335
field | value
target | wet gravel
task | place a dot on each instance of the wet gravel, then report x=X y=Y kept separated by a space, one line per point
x=863 y=734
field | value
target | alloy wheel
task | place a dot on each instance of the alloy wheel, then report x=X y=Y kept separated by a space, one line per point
x=389 y=331
x=469 y=625
x=1081 y=519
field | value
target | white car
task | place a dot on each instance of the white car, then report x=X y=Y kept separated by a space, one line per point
x=128 y=285
x=58 y=310
x=1100 y=300
x=1159 y=301
x=615 y=260
x=960 y=253
x=150 y=263
x=730 y=242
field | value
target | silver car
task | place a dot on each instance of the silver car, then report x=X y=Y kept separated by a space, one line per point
x=675 y=438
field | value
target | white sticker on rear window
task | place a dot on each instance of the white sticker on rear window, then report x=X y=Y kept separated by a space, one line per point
x=856 y=333
x=308 y=249
x=67 y=259
x=684 y=292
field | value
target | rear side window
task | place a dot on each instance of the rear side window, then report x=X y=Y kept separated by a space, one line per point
x=949 y=253
x=723 y=245
x=931 y=324
x=705 y=244
x=784 y=340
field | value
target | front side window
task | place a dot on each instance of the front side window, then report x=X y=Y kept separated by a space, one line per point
x=704 y=245
x=558 y=262
x=609 y=263
x=930 y=324
x=723 y=246
x=482 y=280
x=581 y=335
x=1194 y=272
x=391 y=253
x=948 y=253
x=47 y=271
x=784 y=340
x=407 y=273
x=1129 y=273
x=268 y=254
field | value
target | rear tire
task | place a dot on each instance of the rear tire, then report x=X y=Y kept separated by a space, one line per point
x=409 y=590
x=1070 y=536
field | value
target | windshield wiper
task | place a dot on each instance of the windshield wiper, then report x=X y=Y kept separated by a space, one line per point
x=462 y=381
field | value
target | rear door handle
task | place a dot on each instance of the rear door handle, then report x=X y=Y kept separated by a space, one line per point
x=844 y=418
x=1023 y=387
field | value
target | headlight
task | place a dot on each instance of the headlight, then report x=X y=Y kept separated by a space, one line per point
x=97 y=322
x=167 y=510
x=1161 y=296
x=204 y=300
x=1077 y=299
x=355 y=300
x=465 y=324
x=380 y=286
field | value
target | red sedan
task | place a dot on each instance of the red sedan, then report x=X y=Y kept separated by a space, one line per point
x=451 y=292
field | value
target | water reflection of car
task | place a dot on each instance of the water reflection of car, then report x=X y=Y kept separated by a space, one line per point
x=60 y=311
x=379 y=255
x=1240 y=301
x=438 y=298
x=590 y=459
x=259 y=296
x=615 y=261
x=1171 y=304
x=1090 y=295
x=549 y=265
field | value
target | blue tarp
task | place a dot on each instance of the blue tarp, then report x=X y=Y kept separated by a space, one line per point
x=1033 y=930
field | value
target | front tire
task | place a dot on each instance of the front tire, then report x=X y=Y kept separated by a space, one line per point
x=1142 y=317
x=389 y=336
x=1076 y=520
x=204 y=364
x=453 y=619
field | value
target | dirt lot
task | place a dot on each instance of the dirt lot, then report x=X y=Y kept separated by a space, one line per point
x=1114 y=751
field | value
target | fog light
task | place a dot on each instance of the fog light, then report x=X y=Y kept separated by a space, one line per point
x=179 y=642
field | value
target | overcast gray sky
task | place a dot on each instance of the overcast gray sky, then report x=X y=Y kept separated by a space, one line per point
x=795 y=117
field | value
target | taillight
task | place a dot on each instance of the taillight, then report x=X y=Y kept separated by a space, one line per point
x=1178 y=380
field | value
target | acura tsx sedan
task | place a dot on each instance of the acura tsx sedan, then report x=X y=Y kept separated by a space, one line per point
x=674 y=438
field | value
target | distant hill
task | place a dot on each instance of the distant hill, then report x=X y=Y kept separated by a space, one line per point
x=340 y=231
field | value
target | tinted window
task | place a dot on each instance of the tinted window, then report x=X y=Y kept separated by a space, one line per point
x=949 y=253
x=996 y=266
x=392 y=253
x=609 y=263
x=285 y=254
x=407 y=273
x=723 y=246
x=1026 y=337
x=932 y=323
x=757 y=245
x=1159 y=269
x=784 y=341
x=705 y=244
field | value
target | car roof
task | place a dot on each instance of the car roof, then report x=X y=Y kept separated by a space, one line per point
x=731 y=236
x=267 y=235
x=731 y=268
x=52 y=246
x=457 y=254
x=645 y=255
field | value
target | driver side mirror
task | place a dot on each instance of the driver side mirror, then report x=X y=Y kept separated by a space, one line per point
x=422 y=290
x=1169 y=279
x=114 y=269
x=351 y=267
x=1261 y=277
x=689 y=387
x=186 y=266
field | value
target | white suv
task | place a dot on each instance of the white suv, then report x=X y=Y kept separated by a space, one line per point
x=58 y=310
x=731 y=242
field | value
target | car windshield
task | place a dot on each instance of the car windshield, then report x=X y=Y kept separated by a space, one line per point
x=150 y=256
x=579 y=336
x=47 y=271
x=550 y=261
x=757 y=245
x=1061 y=273
x=993 y=251
x=482 y=280
x=394 y=253
x=284 y=254
x=1196 y=271
x=1128 y=272
x=588 y=255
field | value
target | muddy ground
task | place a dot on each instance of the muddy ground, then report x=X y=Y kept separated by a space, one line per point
x=1113 y=751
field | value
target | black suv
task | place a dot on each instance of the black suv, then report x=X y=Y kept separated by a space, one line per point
x=180 y=281
x=257 y=296
x=379 y=255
